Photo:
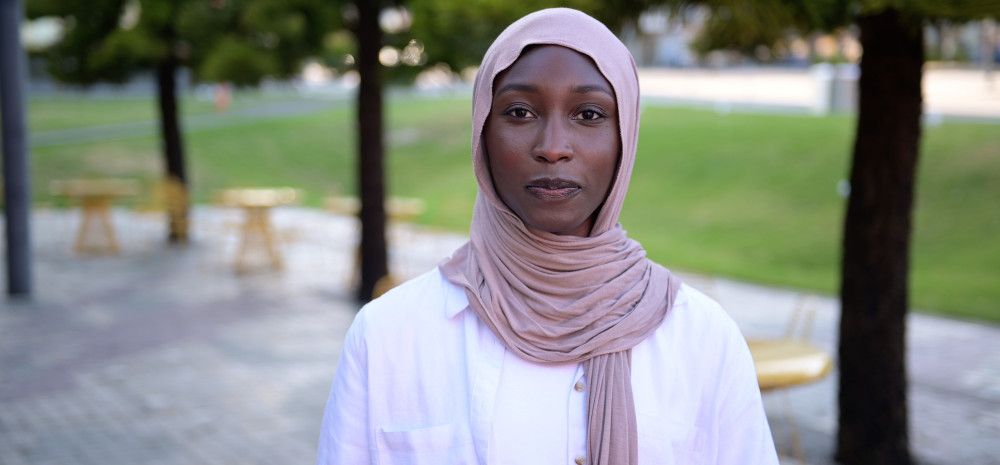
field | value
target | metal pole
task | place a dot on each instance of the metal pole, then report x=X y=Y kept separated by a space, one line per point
x=17 y=186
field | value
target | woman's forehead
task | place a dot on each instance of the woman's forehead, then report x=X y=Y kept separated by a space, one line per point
x=547 y=64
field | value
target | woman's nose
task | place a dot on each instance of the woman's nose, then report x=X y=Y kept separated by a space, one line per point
x=553 y=143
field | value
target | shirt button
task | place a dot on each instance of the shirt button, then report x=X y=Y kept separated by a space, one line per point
x=579 y=388
x=580 y=460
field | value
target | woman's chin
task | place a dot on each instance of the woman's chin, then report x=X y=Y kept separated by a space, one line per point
x=561 y=227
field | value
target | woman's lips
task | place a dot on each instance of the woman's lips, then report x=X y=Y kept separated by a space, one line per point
x=552 y=189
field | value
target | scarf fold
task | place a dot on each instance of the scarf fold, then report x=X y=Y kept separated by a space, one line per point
x=565 y=299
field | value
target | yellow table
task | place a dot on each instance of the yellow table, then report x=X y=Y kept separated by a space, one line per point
x=95 y=197
x=398 y=209
x=256 y=230
x=784 y=363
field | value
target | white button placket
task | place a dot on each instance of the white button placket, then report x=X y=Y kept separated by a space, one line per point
x=577 y=412
x=483 y=365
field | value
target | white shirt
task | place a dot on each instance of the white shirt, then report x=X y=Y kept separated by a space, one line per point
x=421 y=380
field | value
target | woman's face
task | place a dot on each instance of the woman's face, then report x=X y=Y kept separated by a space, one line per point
x=552 y=139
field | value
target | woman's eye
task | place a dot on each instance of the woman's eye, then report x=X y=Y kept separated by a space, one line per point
x=590 y=115
x=518 y=112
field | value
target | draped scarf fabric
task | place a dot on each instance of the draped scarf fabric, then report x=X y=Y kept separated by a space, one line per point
x=562 y=299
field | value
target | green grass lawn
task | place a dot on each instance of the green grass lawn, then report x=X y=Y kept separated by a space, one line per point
x=65 y=112
x=58 y=111
x=750 y=196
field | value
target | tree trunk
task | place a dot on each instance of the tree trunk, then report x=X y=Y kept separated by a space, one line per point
x=173 y=150
x=873 y=424
x=374 y=260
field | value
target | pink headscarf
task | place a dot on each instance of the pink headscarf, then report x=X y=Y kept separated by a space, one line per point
x=562 y=299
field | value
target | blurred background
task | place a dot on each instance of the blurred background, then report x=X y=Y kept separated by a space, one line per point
x=200 y=194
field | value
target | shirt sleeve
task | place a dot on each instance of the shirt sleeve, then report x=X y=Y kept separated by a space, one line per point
x=345 y=434
x=744 y=433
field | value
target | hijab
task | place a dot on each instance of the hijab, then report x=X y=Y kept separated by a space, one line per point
x=555 y=299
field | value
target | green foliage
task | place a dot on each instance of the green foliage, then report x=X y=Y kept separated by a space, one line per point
x=238 y=62
x=242 y=41
x=459 y=32
x=200 y=25
x=123 y=51
x=288 y=30
x=745 y=26
x=86 y=23
x=960 y=10
x=336 y=47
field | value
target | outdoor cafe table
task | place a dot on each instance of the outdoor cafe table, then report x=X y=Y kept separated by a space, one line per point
x=257 y=229
x=95 y=197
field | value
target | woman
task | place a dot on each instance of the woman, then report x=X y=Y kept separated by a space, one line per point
x=549 y=337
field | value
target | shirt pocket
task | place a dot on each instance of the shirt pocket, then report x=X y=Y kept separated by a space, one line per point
x=432 y=445
x=670 y=442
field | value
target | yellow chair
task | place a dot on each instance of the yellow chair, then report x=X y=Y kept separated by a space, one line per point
x=169 y=196
x=398 y=210
x=790 y=361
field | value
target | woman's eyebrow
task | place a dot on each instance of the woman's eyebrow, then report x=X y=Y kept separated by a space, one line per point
x=591 y=88
x=517 y=86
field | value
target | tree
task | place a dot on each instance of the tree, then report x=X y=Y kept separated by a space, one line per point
x=365 y=41
x=241 y=41
x=371 y=149
x=873 y=423
x=458 y=33
x=873 y=419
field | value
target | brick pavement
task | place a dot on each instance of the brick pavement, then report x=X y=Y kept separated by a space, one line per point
x=165 y=356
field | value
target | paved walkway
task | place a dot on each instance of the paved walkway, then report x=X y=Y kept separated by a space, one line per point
x=948 y=92
x=165 y=356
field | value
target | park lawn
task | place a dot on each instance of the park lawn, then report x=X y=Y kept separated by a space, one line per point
x=750 y=196
x=64 y=112
x=745 y=195
x=72 y=111
x=49 y=113
x=755 y=197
